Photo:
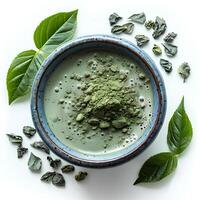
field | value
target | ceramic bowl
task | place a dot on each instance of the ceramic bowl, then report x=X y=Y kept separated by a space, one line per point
x=108 y=43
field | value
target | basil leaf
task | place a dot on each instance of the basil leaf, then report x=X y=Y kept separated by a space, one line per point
x=19 y=75
x=55 y=30
x=157 y=167
x=52 y=32
x=179 y=130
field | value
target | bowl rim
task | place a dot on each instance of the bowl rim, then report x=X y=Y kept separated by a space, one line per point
x=149 y=63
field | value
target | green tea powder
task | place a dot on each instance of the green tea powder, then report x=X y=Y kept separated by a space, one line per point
x=107 y=101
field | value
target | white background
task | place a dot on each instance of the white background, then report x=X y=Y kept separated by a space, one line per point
x=19 y=18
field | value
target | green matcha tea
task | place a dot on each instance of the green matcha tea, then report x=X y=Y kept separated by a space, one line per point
x=98 y=102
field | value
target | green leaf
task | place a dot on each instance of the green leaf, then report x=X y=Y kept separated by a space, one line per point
x=19 y=75
x=157 y=167
x=55 y=29
x=179 y=130
x=51 y=33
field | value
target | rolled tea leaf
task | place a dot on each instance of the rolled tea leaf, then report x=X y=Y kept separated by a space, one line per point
x=47 y=177
x=125 y=28
x=184 y=70
x=67 y=168
x=170 y=37
x=159 y=27
x=129 y=28
x=166 y=65
x=41 y=146
x=170 y=49
x=156 y=49
x=138 y=18
x=117 y=29
x=81 y=176
x=58 y=180
x=21 y=151
x=15 y=139
x=34 y=163
x=54 y=163
x=29 y=131
x=157 y=167
x=114 y=18
x=149 y=24
x=180 y=130
x=141 y=40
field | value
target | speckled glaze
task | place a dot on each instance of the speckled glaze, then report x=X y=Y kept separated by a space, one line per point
x=98 y=42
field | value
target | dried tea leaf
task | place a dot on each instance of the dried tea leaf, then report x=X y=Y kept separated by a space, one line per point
x=118 y=29
x=48 y=176
x=67 y=168
x=21 y=151
x=81 y=176
x=170 y=49
x=159 y=27
x=166 y=65
x=15 y=139
x=156 y=49
x=129 y=28
x=170 y=37
x=114 y=18
x=58 y=180
x=149 y=24
x=125 y=28
x=184 y=70
x=54 y=163
x=138 y=18
x=141 y=40
x=34 y=163
x=29 y=131
x=41 y=146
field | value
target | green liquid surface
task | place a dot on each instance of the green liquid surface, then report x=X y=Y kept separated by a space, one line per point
x=61 y=89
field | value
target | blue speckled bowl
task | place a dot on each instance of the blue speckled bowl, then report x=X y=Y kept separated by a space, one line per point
x=98 y=42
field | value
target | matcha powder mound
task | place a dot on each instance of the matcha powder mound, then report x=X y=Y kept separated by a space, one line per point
x=107 y=100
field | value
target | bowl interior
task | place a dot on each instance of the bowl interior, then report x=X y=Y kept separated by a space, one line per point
x=98 y=43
